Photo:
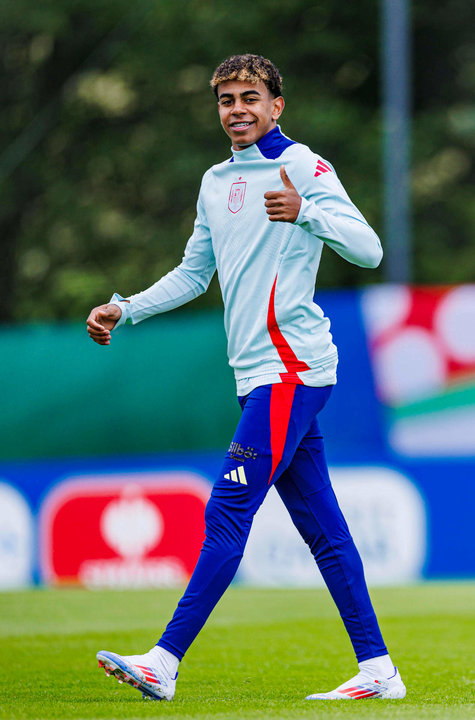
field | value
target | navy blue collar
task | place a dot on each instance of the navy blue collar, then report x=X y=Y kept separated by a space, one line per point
x=273 y=144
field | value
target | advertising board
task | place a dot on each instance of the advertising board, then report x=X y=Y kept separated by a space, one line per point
x=399 y=435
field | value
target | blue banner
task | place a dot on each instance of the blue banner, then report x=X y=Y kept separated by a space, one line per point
x=399 y=441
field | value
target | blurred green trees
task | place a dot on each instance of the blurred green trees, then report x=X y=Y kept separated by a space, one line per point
x=108 y=124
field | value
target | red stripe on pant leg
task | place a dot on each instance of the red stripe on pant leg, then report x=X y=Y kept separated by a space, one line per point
x=281 y=399
x=291 y=377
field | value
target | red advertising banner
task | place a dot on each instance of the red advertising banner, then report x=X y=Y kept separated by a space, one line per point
x=139 y=529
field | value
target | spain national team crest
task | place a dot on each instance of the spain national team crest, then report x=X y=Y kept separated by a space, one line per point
x=236 y=196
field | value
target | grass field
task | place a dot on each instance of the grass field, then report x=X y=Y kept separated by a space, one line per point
x=260 y=654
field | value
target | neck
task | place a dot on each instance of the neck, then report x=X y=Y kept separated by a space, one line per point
x=237 y=148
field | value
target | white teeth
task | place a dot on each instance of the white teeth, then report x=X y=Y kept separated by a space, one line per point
x=240 y=125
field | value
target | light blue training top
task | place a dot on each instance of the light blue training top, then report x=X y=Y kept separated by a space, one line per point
x=266 y=270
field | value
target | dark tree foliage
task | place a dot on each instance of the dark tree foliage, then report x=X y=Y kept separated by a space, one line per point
x=108 y=124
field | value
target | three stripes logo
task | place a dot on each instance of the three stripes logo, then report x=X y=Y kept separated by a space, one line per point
x=149 y=675
x=363 y=691
x=237 y=475
x=322 y=168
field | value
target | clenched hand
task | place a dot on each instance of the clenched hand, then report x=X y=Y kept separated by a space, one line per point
x=101 y=321
x=283 y=205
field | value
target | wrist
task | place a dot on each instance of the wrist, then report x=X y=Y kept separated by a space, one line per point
x=304 y=204
x=122 y=305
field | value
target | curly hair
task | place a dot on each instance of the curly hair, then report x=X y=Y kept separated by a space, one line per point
x=250 y=68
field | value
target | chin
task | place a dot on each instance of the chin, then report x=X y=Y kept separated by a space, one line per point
x=244 y=141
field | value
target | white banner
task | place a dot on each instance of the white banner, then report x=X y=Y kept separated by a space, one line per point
x=387 y=519
x=16 y=539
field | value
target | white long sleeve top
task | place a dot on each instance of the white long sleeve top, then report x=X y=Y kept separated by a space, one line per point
x=266 y=270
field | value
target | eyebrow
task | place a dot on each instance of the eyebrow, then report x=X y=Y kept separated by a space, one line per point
x=243 y=94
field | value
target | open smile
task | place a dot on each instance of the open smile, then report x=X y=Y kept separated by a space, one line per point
x=239 y=126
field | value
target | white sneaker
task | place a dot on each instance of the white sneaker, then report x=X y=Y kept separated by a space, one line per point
x=363 y=686
x=143 y=673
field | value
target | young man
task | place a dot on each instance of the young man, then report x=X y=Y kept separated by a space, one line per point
x=262 y=219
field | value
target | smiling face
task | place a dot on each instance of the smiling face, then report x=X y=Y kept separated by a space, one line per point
x=247 y=111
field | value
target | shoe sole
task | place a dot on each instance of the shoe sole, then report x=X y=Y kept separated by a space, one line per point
x=116 y=667
x=397 y=693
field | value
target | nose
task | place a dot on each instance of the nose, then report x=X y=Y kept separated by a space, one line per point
x=238 y=108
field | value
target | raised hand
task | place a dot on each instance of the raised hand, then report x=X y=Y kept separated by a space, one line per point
x=101 y=321
x=283 y=205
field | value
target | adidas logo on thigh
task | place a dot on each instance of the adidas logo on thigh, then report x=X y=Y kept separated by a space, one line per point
x=237 y=475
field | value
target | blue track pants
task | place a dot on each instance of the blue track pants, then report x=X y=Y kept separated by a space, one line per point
x=277 y=442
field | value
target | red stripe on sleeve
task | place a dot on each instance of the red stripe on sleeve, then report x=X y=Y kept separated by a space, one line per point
x=281 y=400
x=322 y=164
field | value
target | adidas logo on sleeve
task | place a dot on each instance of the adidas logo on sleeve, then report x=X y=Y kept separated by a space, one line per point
x=322 y=168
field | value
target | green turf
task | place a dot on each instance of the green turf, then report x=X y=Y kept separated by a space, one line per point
x=260 y=654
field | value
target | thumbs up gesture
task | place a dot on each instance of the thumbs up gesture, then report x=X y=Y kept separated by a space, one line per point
x=283 y=205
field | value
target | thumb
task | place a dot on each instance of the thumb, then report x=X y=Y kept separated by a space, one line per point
x=285 y=178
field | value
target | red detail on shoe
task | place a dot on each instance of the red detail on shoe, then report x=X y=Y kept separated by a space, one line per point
x=281 y=399
x=360 y=692
x=149 y=674
x=350 y=689
x=292 y=364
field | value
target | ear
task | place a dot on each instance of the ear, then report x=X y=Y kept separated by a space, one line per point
x=278 y=105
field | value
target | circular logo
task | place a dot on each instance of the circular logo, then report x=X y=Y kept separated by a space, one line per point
x=16 y=538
